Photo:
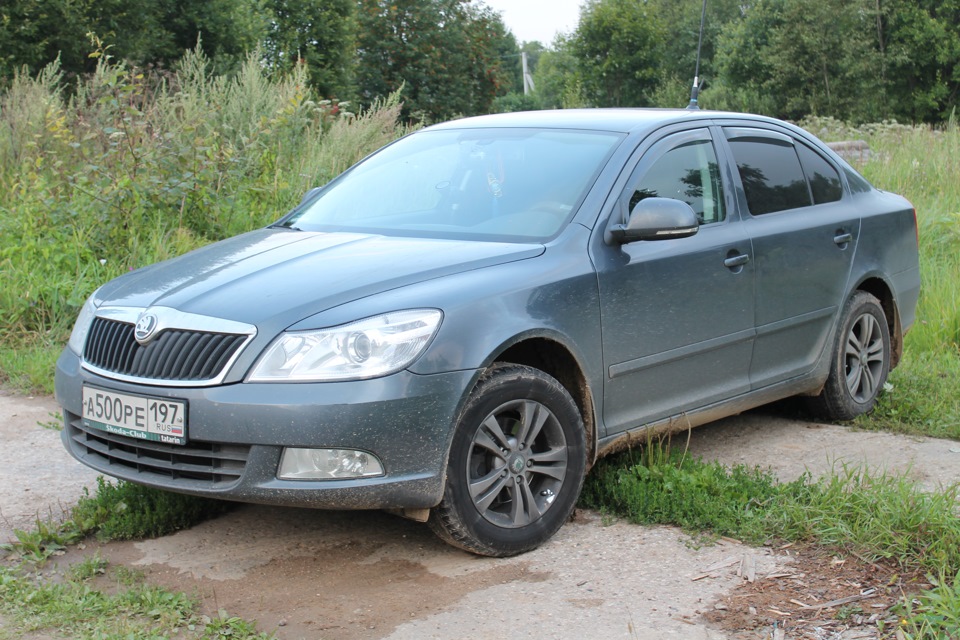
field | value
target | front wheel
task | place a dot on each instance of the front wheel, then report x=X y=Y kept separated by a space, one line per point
x=861 y=361
x=516 y=465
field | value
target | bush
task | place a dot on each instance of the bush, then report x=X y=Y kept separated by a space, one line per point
x=134 y=168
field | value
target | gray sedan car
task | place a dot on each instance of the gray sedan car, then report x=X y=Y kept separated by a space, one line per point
x=457 y=327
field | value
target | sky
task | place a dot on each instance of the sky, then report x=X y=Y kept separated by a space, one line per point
x=537 y=19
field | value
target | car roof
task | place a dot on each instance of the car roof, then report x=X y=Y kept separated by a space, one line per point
x=619 y=120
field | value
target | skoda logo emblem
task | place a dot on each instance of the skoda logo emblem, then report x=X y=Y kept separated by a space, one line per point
x=146 y=325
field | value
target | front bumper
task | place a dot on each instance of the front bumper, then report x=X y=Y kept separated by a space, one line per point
x=237 y=433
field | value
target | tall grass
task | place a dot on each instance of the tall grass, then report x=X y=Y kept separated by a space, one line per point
x=922 y=164
x=127 y=169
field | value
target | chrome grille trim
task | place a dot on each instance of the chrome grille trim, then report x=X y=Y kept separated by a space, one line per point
x=216 y=465
x=187 y=350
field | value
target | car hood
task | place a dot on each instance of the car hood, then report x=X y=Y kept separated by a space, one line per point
x=282 y=275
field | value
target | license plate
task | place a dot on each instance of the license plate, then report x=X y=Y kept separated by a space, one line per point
x=143 y=417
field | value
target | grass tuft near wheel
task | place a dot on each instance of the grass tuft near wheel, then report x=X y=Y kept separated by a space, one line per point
x=516 y=464
x=861 y=361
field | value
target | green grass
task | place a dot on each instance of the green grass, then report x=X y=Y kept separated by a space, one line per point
x=125 y=511
x=117 y=511
x=934 y=614
x=37 y=601
x=923 y=165
x=27 y=364
x=72 y=608
x=923 y=399
x=873 y=516
x=131 y=169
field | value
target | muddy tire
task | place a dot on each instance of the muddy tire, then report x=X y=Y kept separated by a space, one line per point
x=516 y=464
x=861 y=361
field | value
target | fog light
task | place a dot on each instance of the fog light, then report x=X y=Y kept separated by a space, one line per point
x=327 y=464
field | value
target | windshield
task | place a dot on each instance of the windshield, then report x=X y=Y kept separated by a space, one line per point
x=498 y=184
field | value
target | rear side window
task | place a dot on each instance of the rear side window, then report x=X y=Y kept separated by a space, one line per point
x=824 y=179
x=857 y=183
x=770 y=171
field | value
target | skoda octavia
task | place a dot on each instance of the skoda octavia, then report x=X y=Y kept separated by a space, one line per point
x=458 y=326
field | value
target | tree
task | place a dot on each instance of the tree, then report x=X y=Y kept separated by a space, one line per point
x=919 y=46
x=320 y=33
x=860 y=60
x=557 y=77
x=446 y=54
x=619 y=47
x=791 y=58
x=681 y=20
x=34 y=33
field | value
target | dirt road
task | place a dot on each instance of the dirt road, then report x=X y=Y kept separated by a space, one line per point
x=312 y=574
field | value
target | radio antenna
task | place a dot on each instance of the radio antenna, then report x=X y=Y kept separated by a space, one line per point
x=695 y=91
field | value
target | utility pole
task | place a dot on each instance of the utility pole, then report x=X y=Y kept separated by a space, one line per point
x=527 y=77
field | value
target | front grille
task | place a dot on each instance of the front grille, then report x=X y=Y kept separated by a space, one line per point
x=174 y=354
x=205 y=462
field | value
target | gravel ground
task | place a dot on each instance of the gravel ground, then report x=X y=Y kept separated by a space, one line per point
x=345 y=575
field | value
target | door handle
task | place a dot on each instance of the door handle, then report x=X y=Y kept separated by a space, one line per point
x=843 y=238
x=736 y=261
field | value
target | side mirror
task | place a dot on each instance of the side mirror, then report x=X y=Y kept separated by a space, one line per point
x=657 y=219
x=309 y=194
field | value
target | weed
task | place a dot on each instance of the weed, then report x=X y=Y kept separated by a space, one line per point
x=127 y=576
x=76 y=610
x=54 y=423
x=923 y=399
x=874 y=515
x=126 y=510
x=119 y=511
x=226 y=626
x=651 y=486
x=133 y=169
x=89 y=567
x=848 y=611
x=137 y=610
x=935 y=613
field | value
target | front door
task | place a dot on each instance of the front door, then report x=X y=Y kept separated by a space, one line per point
x=677 y=315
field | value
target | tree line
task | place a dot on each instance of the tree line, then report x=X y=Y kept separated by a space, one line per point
x=450 y=56
x=858 y=60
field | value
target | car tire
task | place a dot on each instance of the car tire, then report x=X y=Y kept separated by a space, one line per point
x=516 y=464
x=861 y=361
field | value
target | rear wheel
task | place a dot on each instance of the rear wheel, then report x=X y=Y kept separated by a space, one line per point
x=516 y=464
x=861 y=361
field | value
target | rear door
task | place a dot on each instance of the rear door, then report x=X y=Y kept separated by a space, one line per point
x=676 y=315
x=804 y=238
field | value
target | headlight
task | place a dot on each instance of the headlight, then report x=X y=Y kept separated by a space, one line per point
x=78 y=337
x=368 y=348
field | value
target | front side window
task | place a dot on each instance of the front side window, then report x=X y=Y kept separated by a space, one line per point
x=770 y=171
x=688 y=172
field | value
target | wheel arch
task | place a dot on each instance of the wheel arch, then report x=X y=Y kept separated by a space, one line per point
x=881 y=290
x=558 y=361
